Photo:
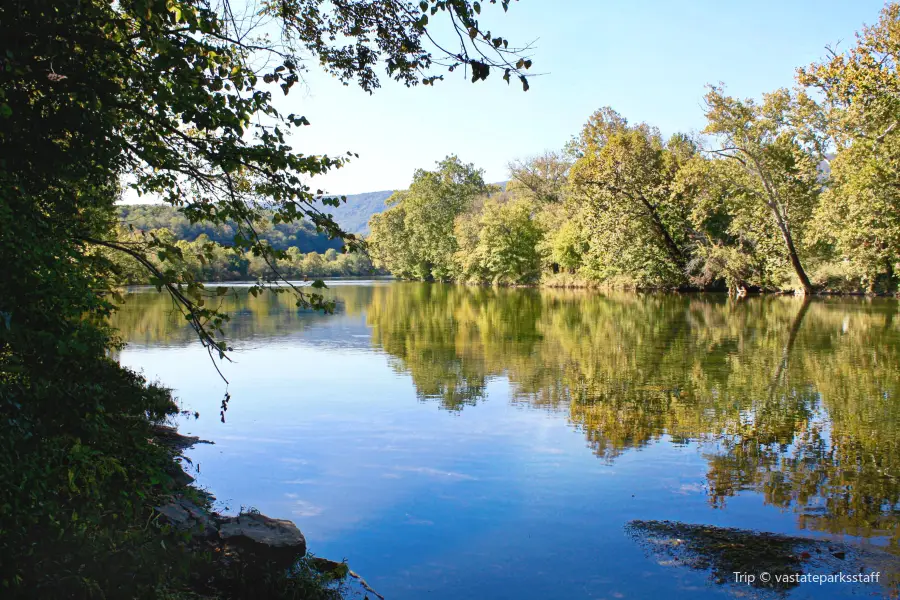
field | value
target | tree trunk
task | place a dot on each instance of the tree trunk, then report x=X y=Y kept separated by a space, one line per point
x=792 y=253
x=772 y=203
x=673 y=249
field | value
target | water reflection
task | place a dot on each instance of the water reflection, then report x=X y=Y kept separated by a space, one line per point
x=794 y=400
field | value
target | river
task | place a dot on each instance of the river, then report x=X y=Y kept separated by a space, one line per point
x=461 y=442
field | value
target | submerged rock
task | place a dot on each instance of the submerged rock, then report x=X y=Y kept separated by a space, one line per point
x=757 y=559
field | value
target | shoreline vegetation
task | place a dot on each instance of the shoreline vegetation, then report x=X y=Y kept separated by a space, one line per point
x=550 y=282
x=567 y=283
x=796 y=191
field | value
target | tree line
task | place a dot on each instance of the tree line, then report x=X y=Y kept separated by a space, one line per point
x=204 y=259
x=799 y=190
x=206 y=252
x=281 y=236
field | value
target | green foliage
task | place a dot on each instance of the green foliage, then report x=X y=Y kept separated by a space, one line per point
x=778 y=160
x=563 y=245
x=77 y=468
x=414 y=238
x=499 y=244
x=734 y=238
x=859 y=216
x=542 y=178
x=634 y=222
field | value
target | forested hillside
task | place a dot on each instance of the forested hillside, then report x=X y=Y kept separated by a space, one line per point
x=299 y=234
x=353 y=216
x=309 y=253
x=208 y=252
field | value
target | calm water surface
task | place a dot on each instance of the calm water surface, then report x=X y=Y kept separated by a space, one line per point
x=454 y=442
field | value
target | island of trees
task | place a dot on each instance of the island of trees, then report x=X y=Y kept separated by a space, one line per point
x=797 y=191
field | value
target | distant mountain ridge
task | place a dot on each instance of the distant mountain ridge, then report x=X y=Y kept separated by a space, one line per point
x=353 y=215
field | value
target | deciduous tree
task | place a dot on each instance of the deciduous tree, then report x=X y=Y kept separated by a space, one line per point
x=416 y=239
x=634 y=224
x=860 y=211
x=778 y=160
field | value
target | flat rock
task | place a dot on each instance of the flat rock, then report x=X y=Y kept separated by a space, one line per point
x=180 y=479
x=169 y=436
x=184 y=515
x=264 y=533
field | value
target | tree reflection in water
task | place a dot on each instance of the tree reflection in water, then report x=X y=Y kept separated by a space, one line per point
x=795 y=400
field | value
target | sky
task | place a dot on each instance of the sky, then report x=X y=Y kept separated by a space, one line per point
x=649 y=60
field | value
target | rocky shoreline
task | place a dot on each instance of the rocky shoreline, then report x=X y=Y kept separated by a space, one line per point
x=254 y=546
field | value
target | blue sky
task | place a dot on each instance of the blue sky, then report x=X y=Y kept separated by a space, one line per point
x=648 y=60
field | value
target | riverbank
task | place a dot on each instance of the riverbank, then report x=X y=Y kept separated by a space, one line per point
x=95 y=503
x=249 y=555
x=573 y=282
